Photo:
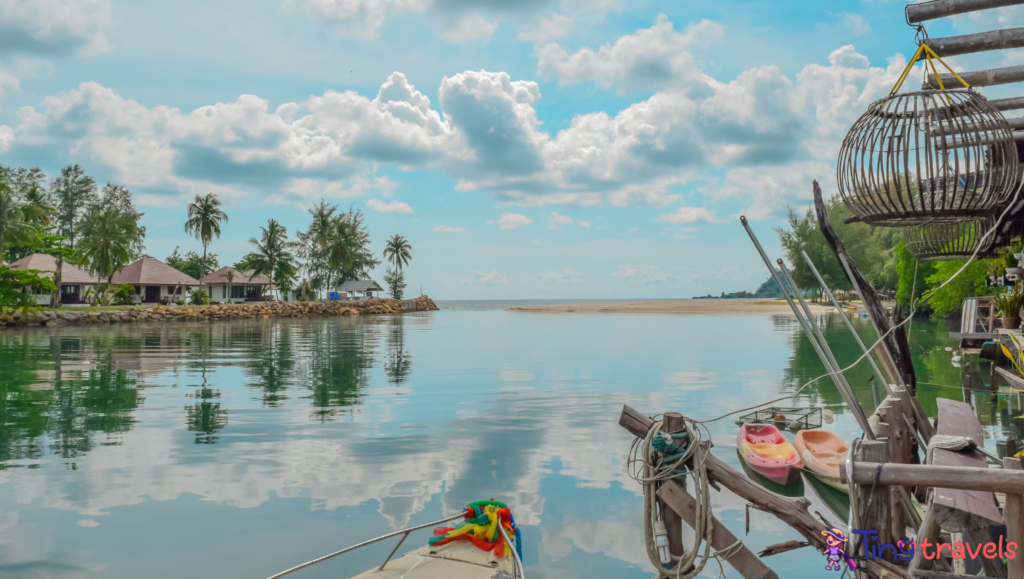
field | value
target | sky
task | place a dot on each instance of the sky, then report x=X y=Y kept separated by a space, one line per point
x=532 y=149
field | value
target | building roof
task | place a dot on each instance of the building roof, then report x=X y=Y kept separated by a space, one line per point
x=359 y=285
x=47 y=264
x=152 y=271
x=241 y=277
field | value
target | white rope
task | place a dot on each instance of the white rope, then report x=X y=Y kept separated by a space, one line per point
x=650 y=471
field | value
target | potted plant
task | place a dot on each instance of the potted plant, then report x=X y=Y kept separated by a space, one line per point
x=1009 y=305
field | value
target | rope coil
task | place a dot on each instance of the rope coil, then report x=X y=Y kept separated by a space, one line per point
x=651 y=467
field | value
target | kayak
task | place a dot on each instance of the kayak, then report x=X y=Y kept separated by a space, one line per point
x=822 y=452
x=765 y=449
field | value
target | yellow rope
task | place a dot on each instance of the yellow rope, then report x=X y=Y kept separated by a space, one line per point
x=928 y=55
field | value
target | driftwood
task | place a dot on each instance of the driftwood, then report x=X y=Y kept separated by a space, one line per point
x=1015 y=123
x=990 y=77
x=1008 y=104
x=942 y=8
x=778 y=548
x=979 y=42
x=950 y=477
x=792 y=511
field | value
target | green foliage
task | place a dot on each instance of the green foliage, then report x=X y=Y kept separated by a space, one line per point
x=109 y=237
x=124 y=295
x=179 y=303
x=272 y=257
x=73 y=192
x=972 y=282
x=905 y=264
x=18 y=288
x=398 y=252
x=193 y=263
x=198 y=297
x=204 y=219
x=870 y=247
x=395 y=281
x=1009 y=303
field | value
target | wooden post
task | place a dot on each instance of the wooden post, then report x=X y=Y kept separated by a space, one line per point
x=673 y=423
x=874 y=516
x=899 y=440
x=1013 y=516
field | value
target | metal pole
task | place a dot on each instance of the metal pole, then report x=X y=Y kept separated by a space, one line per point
x=839 y=381
x=849 y=272
x=849 y=325
x=844 y=386
x=392 y=553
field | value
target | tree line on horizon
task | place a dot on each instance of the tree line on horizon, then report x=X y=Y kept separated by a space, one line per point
x=99 y=230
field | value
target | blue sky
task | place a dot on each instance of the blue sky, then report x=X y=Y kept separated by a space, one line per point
x=544 y=149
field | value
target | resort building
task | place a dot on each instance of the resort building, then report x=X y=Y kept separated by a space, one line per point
x=73 y=283
x=242 y=289
x=357 y=289
x=155 y=281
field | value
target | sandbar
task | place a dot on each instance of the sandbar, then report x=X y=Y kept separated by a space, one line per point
x=694 y=307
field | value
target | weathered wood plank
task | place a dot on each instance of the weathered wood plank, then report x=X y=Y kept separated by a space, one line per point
x=1008 y=104
x=990 y=77
x=942 y=8
x=962 y=510
x=1013 y=513
x=978 y=42
x=987 y=480
x=874 y=498
x=673 y=422
x=742 y=560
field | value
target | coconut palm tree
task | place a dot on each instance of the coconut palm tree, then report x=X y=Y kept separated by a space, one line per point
x=204 y=219
x=15 y=227
x=398 y=251
x=272 y=252
x=230 y=276
x=342 y=244
x=107 y=237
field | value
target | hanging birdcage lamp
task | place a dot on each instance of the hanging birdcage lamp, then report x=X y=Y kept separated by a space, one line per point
x=947 y=241
x=934 y=156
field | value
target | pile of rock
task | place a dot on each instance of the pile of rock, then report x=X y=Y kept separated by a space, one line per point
x=129 y=314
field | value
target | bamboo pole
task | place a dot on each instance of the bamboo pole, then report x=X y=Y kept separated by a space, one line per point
x=947 y=477
x=942 y=8
x=978 y=42
x=990 y=77
x=1008 y=104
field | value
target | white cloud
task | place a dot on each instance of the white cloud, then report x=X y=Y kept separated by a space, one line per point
x=392 y=207
x=157 y=201
x=689 y=215
x=651 y=57
x=480 y=278
x=582 y=223
x=557 y=221
x=565 y=276
x=360 y=18
x=6 y=138
x=645 y=273
x=769 y=189
x=855 y=23
x=54 y=26
x=511 y=221
x=556 y=26
x=303 y=190
x=468 y=28
x=449 y=229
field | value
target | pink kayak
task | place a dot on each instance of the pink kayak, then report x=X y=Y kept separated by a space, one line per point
x=768 y=453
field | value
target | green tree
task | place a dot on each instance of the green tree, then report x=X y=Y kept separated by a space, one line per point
x=204 y=219
x=121 y=198
x=192 y=263
x=359 y=260
x=73 y=192
x=272 y=252
x=15 y=227
x=395 y=282
x=972 y=282
x=108 y=236
x=18 y=286
x=398 y=252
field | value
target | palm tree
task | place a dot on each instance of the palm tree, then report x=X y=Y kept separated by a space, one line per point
x=108 y=235
x=14 y=226
x=230 y=276
x=398 y=251
x=204 y=218
x=271 y=252
x=342 y=245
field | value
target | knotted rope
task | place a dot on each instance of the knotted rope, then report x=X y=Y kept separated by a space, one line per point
x=651 y=468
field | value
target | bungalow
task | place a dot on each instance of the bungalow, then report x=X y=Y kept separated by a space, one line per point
x=352 y=289
x=243 y=289
x=73 y=281
x=155 y=281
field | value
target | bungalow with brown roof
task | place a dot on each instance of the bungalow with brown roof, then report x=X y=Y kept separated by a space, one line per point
x=243 y=289
x=155 y=281
x=73 y=281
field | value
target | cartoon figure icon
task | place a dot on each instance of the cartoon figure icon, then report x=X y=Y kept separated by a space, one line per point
x=835 y=541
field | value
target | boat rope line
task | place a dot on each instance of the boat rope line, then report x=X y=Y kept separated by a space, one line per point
x=363 y=544
x=661 y=457
x=914 y=307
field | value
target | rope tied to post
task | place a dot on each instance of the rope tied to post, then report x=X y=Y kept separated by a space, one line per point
x=661 y=457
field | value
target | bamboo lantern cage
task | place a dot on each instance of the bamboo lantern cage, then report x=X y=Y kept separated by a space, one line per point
x=928 y=157
x=946 y=241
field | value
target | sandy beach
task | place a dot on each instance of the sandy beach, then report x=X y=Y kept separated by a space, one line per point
x=695 y=307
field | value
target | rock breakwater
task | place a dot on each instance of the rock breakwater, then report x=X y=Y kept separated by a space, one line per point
x=128 y=314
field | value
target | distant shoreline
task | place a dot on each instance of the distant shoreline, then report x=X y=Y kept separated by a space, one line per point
x=695 y=307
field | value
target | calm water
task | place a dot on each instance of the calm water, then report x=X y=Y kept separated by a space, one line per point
x=242 y=448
